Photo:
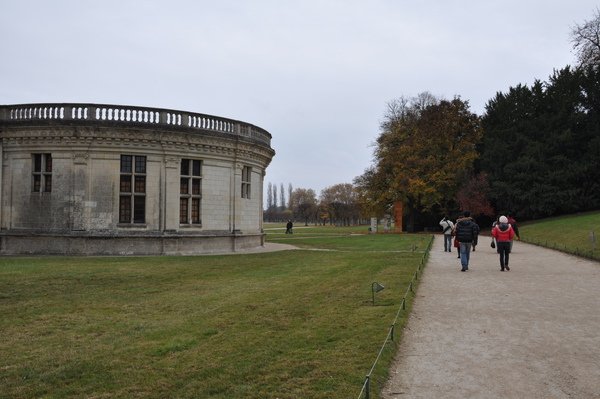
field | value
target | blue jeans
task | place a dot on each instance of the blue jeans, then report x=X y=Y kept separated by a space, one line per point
x=465 y=254
x=448 y=242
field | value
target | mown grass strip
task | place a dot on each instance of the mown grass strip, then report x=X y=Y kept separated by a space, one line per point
x=575 y=234
x=289 y=324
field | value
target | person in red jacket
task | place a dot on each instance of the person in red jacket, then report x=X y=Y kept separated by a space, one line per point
x=503 y=233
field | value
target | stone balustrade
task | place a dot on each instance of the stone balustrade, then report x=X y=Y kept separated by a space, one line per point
x=98 y=114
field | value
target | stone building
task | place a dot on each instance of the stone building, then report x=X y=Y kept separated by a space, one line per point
x=119 y=180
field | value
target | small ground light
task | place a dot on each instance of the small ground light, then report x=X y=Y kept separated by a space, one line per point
x=376 y=287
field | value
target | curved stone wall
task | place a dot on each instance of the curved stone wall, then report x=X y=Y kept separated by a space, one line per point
x=112 y=179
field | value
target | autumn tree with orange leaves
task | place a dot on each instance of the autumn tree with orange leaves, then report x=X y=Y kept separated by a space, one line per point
x=423 y=155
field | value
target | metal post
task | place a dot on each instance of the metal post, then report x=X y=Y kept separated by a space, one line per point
x=367 y=387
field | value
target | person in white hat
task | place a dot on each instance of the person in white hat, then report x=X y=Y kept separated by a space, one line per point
x=503 y=233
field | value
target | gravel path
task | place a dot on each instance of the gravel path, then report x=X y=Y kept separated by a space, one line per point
x=532 y=332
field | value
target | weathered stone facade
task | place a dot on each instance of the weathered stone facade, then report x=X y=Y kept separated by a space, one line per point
x=110 y=179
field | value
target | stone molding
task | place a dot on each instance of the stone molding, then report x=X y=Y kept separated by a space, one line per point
x=67 y=136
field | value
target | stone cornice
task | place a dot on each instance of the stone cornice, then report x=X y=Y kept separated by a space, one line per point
x=156 y=139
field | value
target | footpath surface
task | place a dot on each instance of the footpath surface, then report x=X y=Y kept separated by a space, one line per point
x=532 y=332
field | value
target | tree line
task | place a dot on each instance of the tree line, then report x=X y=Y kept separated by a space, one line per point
x=336 y=204
x=535 y=152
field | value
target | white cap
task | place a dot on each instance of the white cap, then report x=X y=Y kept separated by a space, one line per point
x=503 y=219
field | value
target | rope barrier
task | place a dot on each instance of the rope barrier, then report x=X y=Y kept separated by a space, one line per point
x=366 y=387
x=588 y=254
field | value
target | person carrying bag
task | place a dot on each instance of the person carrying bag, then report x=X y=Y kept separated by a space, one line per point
x=447 y=226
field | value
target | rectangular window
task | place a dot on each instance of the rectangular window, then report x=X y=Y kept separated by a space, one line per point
x=140 y=184
x=183 y=185
x=246 y=181
x=125 y=184
x=185 y=167
x=126 y=163
x=195 y=210
x=195 y=186
x=190 y=191
x=132 y=187
x=124 y=209
x=183 y=210
x=48 y=183
x=140 y=165
x=139 y=209
x=42 y=173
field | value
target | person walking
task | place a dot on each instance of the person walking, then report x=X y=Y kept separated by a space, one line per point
x=466 y=231
x=447 y=227
x=288 y=227
x=503 y=233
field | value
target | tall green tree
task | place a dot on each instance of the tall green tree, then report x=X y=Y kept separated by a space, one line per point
x=540 y=148
x=425 y=151
x=269 y=196
x=284 y=204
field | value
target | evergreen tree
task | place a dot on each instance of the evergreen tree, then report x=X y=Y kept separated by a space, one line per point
x=283 y=202
x=269 y=196
x=540 y=146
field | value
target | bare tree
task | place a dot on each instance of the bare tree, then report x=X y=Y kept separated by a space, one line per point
x=304 y=204
x=586 y=42
x=401 y=109
x=341 y=203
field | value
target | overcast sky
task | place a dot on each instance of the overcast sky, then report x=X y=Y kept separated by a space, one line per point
x=317 y=74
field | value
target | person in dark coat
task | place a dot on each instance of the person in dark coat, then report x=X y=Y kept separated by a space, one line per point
x=288 y=227
x=466 y=231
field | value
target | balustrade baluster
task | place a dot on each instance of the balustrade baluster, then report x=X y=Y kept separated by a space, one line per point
x=125 y=114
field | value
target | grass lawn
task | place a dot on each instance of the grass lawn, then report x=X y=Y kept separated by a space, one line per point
x=292 y=324
x=567 y=233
